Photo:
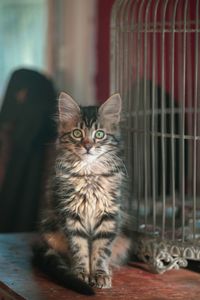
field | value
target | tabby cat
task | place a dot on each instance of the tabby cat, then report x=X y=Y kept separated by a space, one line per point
x=82 y=229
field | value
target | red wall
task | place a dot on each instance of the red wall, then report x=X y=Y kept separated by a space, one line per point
x=103 y=41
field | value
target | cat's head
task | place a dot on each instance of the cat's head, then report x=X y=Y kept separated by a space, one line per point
x=89 y=131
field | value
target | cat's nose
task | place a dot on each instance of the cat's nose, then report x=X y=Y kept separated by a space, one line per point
x=87 y=146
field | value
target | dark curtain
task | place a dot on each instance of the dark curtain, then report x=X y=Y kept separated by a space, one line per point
x=27 y=131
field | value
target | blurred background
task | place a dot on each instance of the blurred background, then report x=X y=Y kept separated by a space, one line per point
x=47 y=46
x=66 y=39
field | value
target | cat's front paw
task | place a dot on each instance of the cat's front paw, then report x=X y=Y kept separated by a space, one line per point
x=101 y=280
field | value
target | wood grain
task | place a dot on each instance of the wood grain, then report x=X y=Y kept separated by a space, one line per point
x=19 y=280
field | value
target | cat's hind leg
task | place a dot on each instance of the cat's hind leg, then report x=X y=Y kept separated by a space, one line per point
x=58 y=267
x=121 y=249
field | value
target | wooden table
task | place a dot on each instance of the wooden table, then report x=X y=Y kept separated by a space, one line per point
x=19 y=280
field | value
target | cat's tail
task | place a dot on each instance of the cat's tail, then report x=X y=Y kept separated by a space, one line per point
x=54 y=266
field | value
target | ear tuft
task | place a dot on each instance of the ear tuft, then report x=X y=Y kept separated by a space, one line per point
x=111 y=109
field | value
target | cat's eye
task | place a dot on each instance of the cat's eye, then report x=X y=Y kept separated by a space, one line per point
x=100 y=134
x=77 y=133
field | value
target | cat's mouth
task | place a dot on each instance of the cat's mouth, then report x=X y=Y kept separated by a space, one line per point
x=88 y=153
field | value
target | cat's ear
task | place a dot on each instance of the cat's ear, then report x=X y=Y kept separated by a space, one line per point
x=110 y=110
x=67 y=107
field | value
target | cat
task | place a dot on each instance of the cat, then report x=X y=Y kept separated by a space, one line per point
x=82 y=229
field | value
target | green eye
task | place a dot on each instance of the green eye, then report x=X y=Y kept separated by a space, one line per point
x=77 y=133
x=100 y=134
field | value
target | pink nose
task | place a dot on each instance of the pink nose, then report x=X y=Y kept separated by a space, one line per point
x=87 y=146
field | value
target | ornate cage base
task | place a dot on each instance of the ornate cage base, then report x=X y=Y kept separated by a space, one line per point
x=163 y=255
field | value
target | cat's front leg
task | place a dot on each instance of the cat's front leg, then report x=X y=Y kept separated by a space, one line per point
x=80 y=256
x=101 y=276
x=78 y=242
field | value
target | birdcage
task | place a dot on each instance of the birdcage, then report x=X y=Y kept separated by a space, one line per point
x=155 y=66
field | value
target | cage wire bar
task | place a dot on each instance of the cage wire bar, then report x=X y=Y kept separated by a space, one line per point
x=155 y=67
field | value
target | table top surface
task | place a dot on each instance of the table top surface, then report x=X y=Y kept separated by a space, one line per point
x=20 y=280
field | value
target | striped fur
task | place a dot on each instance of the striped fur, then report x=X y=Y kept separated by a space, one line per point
x=82 y=222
